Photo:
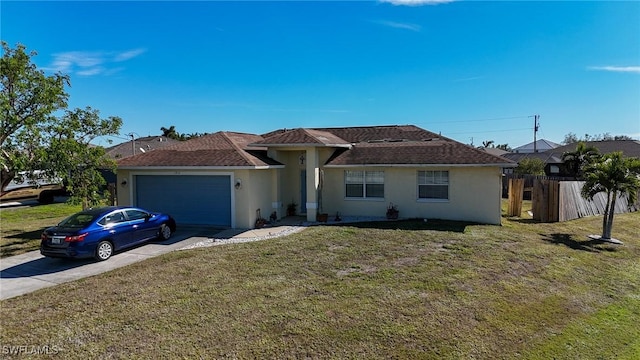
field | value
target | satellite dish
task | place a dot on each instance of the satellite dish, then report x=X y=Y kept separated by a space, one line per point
x=141 y=149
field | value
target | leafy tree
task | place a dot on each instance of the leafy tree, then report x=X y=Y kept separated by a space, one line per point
x=504 y=147
x=615 y=176
x=571 y=138
x=576 y=161
x=530 y=166
x=41 y=145
x=72 y=157
x=622 y=137
x=28 y=98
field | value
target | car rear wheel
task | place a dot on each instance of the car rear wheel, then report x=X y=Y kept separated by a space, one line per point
x=104 y=250
x=165 y=232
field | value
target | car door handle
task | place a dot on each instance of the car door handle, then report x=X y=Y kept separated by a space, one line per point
x=112 y=232
x=135 y=226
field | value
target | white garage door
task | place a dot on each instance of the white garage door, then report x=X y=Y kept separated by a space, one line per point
x=191 y=200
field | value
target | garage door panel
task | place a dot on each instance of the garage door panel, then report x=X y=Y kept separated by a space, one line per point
x=194 y=200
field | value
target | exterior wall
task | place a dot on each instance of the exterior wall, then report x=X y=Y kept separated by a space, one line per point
x=255 y=193
x=123 y=191
x=474 y=195
x=474 y=192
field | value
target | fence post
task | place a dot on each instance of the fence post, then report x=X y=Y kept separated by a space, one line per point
x=516 y=188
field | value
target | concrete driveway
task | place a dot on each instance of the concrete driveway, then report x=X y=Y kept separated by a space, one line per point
x=31 y=271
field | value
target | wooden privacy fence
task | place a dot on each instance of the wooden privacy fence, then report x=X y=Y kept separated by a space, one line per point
x=554 y=201
x=516 y=189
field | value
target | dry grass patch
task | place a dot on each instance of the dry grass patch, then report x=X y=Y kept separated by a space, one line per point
x=387 y=290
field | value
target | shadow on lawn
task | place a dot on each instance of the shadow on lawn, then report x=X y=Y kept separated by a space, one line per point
x=412 y=224
x=590 y=245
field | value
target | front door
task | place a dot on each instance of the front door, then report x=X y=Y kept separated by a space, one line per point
x=303 y=191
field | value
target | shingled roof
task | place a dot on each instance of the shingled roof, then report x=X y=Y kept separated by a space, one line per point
x=629 y=148
x=141 y=145
x=405 y=145
x=218 y=149
x=303 y=137
x=439 y=151
x=360 y=134
x=367 y=145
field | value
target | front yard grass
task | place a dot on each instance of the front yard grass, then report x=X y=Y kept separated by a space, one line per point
x=407 y=289
x=20 y=228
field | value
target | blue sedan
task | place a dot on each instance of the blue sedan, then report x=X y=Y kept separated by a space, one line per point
x=100 y=232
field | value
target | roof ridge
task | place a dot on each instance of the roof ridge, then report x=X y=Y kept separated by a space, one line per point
x=315 y=138
x=235 y=146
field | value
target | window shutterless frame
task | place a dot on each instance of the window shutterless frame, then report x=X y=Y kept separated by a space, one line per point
x=364 y=184
x=433 y=185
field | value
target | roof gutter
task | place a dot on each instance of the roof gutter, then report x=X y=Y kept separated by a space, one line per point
x=261 y=167
x=504 y=165
x=346 y=146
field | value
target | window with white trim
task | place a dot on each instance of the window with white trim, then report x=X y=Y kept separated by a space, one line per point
x=364 y=184
x=433 y=185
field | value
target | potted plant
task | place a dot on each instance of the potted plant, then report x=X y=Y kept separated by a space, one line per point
x=392 y=211
x=291 y=208
x=322 y=217
x=260 y=221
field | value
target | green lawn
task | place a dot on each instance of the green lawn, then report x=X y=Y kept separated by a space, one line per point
x=404 y=289
x=20 y=228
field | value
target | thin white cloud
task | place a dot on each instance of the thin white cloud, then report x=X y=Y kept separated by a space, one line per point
x=90 y=63
x=130 y=54
x=416 y=2
x=399 y=25
x=625 y=69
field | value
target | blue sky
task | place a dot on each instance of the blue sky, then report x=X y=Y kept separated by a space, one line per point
x=468 y=69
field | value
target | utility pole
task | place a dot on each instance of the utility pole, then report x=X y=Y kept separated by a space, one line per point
x=536 y=126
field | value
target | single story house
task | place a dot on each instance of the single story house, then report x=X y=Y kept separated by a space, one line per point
x=228 y=178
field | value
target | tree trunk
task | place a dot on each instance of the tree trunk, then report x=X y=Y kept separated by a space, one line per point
x=607 y=232
x=605 y=218
x=6 y=176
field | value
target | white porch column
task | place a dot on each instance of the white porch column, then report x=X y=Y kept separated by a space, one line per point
x=313 y=170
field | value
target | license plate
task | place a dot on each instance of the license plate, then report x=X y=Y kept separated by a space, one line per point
x=57 y=240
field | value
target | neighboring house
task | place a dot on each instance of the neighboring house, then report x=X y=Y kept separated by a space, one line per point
x=554 y=166
x=130 y=148
x=541 y=145
x=494 y=151
x=223 y=179
x=138 y=146
x=629 y=148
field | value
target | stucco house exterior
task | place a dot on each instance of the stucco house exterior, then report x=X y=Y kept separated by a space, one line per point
x=223 y=179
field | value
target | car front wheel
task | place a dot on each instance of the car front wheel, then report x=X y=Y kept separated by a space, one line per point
x=104 y=250
x=165 y=232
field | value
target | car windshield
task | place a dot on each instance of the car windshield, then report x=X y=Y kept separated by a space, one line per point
x=78 y=220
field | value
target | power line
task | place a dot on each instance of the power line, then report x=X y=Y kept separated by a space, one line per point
x=487 y=131
x=476 y=120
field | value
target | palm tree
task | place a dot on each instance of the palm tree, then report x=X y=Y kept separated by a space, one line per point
x=575 y=161
x=170 y=133
x=613 y=175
